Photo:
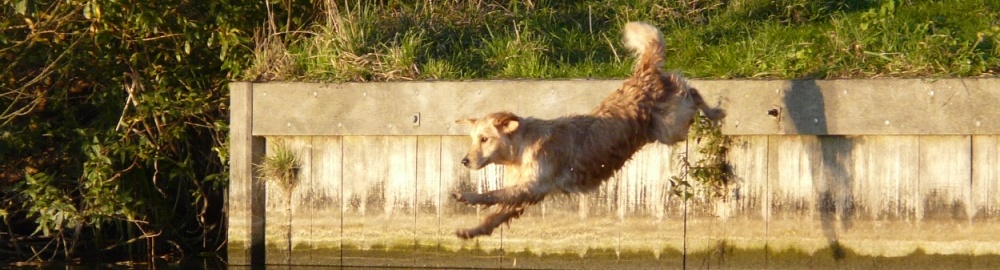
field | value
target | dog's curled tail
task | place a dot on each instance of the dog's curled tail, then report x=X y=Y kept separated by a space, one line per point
x=646 y=43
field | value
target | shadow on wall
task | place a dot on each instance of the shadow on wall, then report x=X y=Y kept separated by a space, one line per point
x=832 y=180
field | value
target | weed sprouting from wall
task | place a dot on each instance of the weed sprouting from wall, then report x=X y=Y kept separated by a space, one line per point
x=711 y=173
x=281 y=168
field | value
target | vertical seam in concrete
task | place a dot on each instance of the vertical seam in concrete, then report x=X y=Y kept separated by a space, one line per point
x=342 y=201
x=311 y=147
x=970 y=204
x=917 y=207
x=416 y=192
x=684 y=252
x=766 y=206
x=439 y=203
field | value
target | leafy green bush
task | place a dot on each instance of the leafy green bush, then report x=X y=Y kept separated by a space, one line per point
x=113 y=122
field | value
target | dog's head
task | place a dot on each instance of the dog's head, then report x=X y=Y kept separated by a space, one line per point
x=491 y=139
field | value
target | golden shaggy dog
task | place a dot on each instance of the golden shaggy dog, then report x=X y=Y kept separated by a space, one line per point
x=577 y=153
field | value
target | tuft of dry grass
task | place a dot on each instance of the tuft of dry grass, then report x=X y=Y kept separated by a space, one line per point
x=339 y=47
x=281 y=167
x=271 y=60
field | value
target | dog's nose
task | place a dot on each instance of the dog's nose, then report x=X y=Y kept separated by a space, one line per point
x=465 y=162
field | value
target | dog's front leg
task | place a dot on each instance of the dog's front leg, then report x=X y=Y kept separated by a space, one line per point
x=527 y=193
x=494 y=220
x=473 y=198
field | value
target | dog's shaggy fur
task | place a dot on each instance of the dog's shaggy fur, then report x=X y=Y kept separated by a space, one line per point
x=577 y=153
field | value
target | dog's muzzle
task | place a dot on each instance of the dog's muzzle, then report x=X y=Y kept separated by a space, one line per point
x=465 y=162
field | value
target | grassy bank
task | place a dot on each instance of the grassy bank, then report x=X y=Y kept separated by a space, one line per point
x=402 y=40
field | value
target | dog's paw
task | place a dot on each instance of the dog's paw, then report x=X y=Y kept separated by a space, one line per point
x=467 y=198
x=715 y=114
x=467 y=234
x=458 y=197
x=464 y=234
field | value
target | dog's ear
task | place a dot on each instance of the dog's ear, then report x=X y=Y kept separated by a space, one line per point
x=506 y=122
x=510 y=126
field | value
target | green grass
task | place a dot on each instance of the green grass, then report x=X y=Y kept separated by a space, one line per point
x=404 y=40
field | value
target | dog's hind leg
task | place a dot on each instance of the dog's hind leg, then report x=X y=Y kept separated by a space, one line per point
x=502 y=215
x=712 y=113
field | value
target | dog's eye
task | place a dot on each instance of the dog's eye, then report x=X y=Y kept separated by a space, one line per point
x=483 y=139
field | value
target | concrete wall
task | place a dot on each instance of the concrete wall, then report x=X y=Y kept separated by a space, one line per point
x=920 y=191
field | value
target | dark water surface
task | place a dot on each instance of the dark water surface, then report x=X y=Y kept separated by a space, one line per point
x=722 y=257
